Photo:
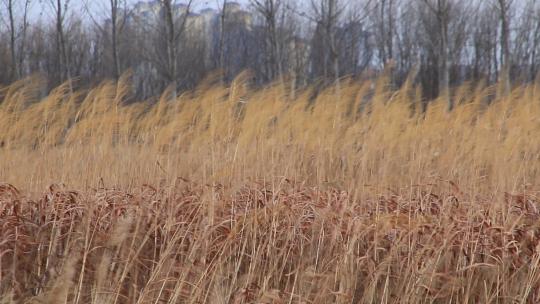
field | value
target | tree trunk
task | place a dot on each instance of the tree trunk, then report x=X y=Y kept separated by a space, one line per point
x=22 y=44
x=444 y=72
x=390 y=32
x=222 y=41
x=330 y=33
x=14 y=70
x=171 y=48
x=114 y=38
x=536 y=41
x=505 y=48
x=269 y=10
x=63 y=62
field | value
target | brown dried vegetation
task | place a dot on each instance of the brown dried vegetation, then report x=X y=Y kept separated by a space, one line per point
x=354 y=222
x=268 y=243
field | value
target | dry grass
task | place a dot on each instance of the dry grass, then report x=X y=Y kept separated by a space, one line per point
x=348 y=196
x=279 y=242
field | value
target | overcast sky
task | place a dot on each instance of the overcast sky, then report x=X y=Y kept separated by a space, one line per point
x=42 y=9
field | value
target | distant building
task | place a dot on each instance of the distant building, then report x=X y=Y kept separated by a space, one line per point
x=203 y=30
x=151 y=12
x=180 y=9
x=232 y=6
x=299 y=50
x=146 y=10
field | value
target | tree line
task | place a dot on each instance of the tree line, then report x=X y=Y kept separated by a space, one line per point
x=173 y=44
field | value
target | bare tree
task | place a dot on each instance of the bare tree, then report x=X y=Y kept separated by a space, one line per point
x=12 y=40
x=221 y=46
x=354 y=41
x=17 y=49
x=326 y=15
x=441 y=42
x=484 y=42
x=533 y=22
x=63 y=67
x=270 y=9
x=174 y=32
x=441 y=10
x=407 y=47
x=117 y=11
x=503 y=7
x=383 y=20
x=115 y=5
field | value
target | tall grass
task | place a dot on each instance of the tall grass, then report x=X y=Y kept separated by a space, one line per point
x=369 y=134
x=360 y=194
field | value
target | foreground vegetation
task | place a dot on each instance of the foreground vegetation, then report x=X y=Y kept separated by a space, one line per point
x=354 y=194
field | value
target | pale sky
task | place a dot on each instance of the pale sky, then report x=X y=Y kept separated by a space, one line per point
x=41 y=9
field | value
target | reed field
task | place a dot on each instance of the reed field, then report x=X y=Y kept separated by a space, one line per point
x=357 y=193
